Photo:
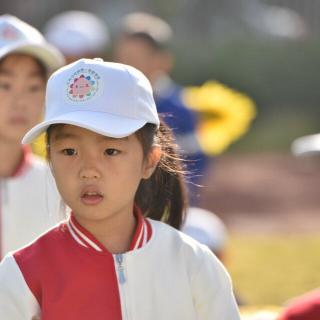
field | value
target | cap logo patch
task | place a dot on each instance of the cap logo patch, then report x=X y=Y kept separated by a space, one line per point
x=8 y=33
x=83 y=85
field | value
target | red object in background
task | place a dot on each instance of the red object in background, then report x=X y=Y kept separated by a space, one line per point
x=306 y=307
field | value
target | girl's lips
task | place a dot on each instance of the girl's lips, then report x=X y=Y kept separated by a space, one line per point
x=91 y=197
x=18 y=120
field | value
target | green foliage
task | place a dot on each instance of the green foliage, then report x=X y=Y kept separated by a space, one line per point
x=269 y=270
x=276 y=130
x=273 y=73
x=280 y=76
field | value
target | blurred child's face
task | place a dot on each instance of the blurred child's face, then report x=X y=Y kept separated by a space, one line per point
x=97 y=176
x=137 y=53
x=22 y=87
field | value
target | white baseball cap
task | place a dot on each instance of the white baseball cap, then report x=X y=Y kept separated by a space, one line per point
x=307 y=145
x=111 y=99
x=205 y=227
x=18 y=36
x=84 y=31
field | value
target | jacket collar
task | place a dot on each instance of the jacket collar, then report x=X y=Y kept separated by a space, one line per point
x=84 y=238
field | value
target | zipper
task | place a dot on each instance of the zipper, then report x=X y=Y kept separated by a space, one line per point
x=121 y=275
x=119 y=259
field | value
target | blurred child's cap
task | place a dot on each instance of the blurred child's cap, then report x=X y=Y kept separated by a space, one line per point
x=141 y=23
x=17 y=36
x=77 y=33
x=205 y=227
x=111 y=99
x=307 y=145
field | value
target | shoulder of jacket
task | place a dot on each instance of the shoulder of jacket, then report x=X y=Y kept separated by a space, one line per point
x=180 y=241
x=40 y=246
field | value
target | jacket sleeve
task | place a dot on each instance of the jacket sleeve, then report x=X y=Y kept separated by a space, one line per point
x=16 y=299
x=212 y=290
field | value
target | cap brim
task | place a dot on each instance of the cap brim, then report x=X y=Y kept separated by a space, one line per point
x=46 y=53
x=102 y=123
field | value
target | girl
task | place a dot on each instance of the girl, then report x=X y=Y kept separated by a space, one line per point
x=114 y=166
x=25 y=60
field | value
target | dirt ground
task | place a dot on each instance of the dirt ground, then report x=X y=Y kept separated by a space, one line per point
x=265 y=193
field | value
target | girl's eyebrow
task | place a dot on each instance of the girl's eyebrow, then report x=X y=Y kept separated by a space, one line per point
x=114 y=139
x=9 y=73
x=5 y=72
x=62 y=135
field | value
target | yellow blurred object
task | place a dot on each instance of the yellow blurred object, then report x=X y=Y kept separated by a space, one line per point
x=225 y=114
x=260 y=312
x=39 y=146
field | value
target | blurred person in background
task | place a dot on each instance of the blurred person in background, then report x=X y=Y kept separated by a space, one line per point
x=78 y=34
x=27 y=190
x=208 y=229
x=144 y=42
x=305 y=307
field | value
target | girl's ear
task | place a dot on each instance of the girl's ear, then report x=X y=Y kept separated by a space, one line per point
x=151 y=162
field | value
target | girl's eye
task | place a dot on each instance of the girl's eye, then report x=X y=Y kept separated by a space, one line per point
x=69 y=152
x=111 y=152
x=4 y=86
x=36 y=88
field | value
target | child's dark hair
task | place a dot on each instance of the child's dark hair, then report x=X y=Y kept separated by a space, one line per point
x=162 y=196
x=151 y=29
x=147 y=38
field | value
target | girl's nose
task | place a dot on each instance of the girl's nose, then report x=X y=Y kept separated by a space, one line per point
x=89 y=173
x=18 y=101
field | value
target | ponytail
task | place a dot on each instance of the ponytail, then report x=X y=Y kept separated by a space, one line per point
x=163 y=196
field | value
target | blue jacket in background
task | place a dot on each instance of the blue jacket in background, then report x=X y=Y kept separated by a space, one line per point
x=183 y=122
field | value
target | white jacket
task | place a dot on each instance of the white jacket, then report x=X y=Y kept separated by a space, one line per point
x=25 y=202
x=171 y=277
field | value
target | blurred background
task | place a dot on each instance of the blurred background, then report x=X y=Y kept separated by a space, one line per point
x=269 y=199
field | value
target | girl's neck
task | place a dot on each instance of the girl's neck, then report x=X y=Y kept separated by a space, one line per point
x=115 y=233
x=10 y=157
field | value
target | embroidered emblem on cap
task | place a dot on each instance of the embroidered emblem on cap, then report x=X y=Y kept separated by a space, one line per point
x=8 y=33
x=83 y=85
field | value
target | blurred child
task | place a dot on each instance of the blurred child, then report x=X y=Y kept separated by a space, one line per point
x=208 y=229
x=305 y=307
x=114 y=165
x=144 y=42
x=78 y=34
x=26 y=192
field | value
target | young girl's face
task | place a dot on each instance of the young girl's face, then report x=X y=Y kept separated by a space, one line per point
x=22 y=87
x=97 y=176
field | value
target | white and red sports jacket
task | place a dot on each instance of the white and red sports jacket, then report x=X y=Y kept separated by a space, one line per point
x=68 y=274
x=26 y=198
